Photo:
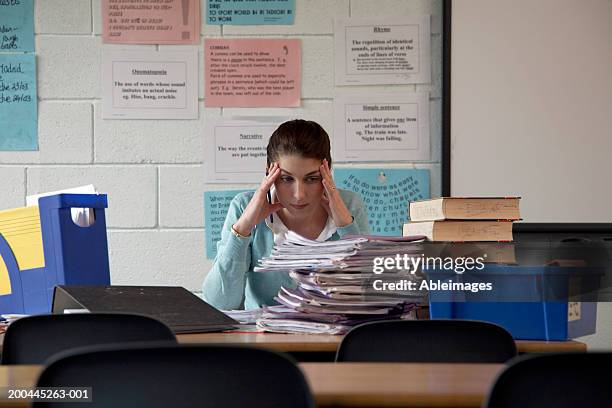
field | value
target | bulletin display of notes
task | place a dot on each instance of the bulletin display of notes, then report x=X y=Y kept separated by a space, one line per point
x=216 y=204
x=18 y=102
x=151 y=21
x=386 y=193
x=16 y=26
x=251 y=12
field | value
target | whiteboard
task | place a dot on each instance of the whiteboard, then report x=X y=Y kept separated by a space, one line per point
x=531 y=105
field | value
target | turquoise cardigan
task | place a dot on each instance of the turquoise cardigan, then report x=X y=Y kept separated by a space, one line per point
x=231 y=282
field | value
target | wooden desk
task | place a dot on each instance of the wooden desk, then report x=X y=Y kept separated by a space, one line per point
x=329 y=343
x=358 y=384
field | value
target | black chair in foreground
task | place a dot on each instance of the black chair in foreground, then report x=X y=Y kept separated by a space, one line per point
x=427 y=341
x=568 y=380
x=33 y=339
x=180 y=376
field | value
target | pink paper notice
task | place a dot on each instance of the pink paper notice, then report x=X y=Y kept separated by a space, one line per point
x=151 y=21
x=253 y=73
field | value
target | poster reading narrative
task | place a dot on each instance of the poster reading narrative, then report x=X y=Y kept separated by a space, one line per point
x=151 y=21
x=18 y=102
x=250 y=12
x=252 y=73
x=375 y=127
x=385 y=193
x=16 y=25
x=390 y=51
x=236 y=150
x=150 y=84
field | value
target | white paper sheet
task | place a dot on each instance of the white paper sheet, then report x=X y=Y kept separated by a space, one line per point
x=150 y=84
x=383 y=51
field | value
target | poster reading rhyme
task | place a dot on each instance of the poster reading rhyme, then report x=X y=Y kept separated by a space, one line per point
x=385 y=193
x=252 y=73
x=151 y=21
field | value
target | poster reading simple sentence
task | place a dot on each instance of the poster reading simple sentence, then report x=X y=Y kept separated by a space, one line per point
x=385 y=193
x=250 y=12
x=150 y=84
x=16 y=26
x=390 y=51
x=236 y=150
x=18 y=102
x=375 y=127
x=151 y=21
x=216 y=204
x=252 y=73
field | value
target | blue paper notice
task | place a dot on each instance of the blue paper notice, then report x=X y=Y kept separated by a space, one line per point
x=386 y=193
x=216 y=204
x=16 y=25
x=250 y=12
x=18 y=103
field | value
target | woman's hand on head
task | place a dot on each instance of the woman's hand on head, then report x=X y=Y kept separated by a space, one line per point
x=331 y=200
x=259 y=208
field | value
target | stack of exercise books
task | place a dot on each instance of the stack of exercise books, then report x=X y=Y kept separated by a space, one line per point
x=336 y=286
x=462 y=219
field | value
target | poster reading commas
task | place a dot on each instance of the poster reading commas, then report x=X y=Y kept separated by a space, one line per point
x=252 y=73
x=385 y=193
x=151 y=21
x=390 y=51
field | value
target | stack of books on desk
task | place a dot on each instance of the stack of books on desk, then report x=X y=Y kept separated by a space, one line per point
x=334 y=283
x=461 y=219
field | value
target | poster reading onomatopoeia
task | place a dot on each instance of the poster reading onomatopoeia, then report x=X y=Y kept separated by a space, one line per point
x=252 y=73
x=16 y=25
x=375 y=127
x=389 y=51
x=250 y=12
x=150 y=84
x=216 y=204
x=236 y=150
x=386 y=193
x=18 y=102
x=151 y=21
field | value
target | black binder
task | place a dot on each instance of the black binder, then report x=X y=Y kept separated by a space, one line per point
x=178 y=308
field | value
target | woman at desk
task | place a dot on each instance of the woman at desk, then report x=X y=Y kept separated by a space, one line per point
x=297 y=194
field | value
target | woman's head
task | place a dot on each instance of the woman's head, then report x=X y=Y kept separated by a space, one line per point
x=299 y=147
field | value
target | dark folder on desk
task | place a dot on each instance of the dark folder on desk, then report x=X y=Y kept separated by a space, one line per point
x=178 y=308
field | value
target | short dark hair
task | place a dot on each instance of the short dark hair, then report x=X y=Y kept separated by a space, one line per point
x=301 y=138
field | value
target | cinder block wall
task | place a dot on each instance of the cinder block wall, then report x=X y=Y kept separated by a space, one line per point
x=153 y=171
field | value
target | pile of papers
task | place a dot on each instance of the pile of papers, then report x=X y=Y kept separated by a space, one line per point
x=334 y=284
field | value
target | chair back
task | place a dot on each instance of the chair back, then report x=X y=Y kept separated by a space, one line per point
x=185 y=376
x=568 y=380
x=33 y=339
x=427 y=341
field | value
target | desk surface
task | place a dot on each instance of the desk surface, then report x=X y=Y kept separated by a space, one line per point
x=357 y=384
x=329 y=343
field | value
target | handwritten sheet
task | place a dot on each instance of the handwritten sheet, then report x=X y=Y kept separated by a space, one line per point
x=389 y=51
x=18 y=102
x=216 y=204
x=253 y=73
x=16 y=26
x=151 y=21
x=150 y=84
x=381 y=126
x=250 y=12
x=385 y=193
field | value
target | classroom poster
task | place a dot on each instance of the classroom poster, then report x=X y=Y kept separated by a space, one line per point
x=250 y=12
x=16 y=25
x=389 y=51
x=379 y=127
x=252 y=73
x=151 y=21
x=18 y=102
x=385 y=193
x=150 y=84
x=236 y=150
x=216 y=204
